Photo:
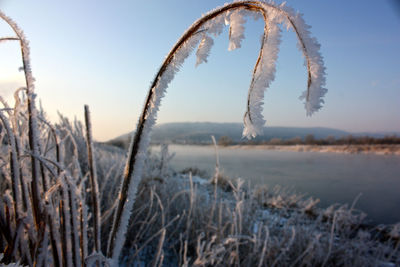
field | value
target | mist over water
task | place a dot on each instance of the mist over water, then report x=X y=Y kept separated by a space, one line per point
x=331 y=177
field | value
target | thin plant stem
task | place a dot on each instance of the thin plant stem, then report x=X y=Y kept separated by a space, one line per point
x=14 y=166
x=93 y=182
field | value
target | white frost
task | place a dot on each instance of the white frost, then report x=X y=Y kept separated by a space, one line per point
x=215 y=26
x=263 y=76
x=204 y=49
x=236 y=29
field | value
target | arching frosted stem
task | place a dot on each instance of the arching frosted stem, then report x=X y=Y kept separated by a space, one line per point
x=173 y=61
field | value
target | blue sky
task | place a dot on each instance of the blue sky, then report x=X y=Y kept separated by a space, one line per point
x=105 y=54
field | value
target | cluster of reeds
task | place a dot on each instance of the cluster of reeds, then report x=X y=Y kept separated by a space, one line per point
x=43 y=212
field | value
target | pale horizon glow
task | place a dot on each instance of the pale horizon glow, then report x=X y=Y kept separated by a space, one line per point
x=105 y=54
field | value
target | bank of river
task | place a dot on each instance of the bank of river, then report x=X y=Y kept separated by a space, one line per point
x=346 y=149
x=331 y=177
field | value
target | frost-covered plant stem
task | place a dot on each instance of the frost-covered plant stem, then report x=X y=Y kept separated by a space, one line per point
x=14 y=166
x=93 y=182
x=26 y=204
x=214 y=181
x=32 y=120
x=54 y=235
x=83 y=238
x=253 y=119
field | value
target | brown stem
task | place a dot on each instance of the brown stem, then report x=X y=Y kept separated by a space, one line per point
x=73 y=222
x=83 y=235
x=93 y=181
x=9 y=39
x=63 y=232
x=14 y=166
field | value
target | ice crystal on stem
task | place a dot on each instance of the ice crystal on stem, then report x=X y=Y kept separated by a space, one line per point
x=204 y=49
x=236 y=30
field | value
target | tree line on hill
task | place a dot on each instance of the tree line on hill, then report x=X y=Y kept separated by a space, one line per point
x=311 y=140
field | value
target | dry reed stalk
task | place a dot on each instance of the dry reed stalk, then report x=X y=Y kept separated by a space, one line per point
x=264 y=247
x=93 y=182
x=215 y=182
x=74 y=227
x=26 y=204
x=83 y=235
x=54 y=241
x=14 y=166
x=330 y=239
x=191 y=204
x=8 y=39
x=62 y=233
x=158 y=259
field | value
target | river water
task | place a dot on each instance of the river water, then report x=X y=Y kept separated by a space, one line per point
x=331 y=177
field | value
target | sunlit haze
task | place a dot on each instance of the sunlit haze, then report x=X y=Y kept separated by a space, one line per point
x=105 y=54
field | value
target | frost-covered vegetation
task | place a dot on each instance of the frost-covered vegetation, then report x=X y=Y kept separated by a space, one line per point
x=180 y=219
x=67 y=201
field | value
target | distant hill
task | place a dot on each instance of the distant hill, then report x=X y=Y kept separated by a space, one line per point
x=200 y=132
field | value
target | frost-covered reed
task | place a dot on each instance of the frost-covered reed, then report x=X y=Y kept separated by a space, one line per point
x=199 y=35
